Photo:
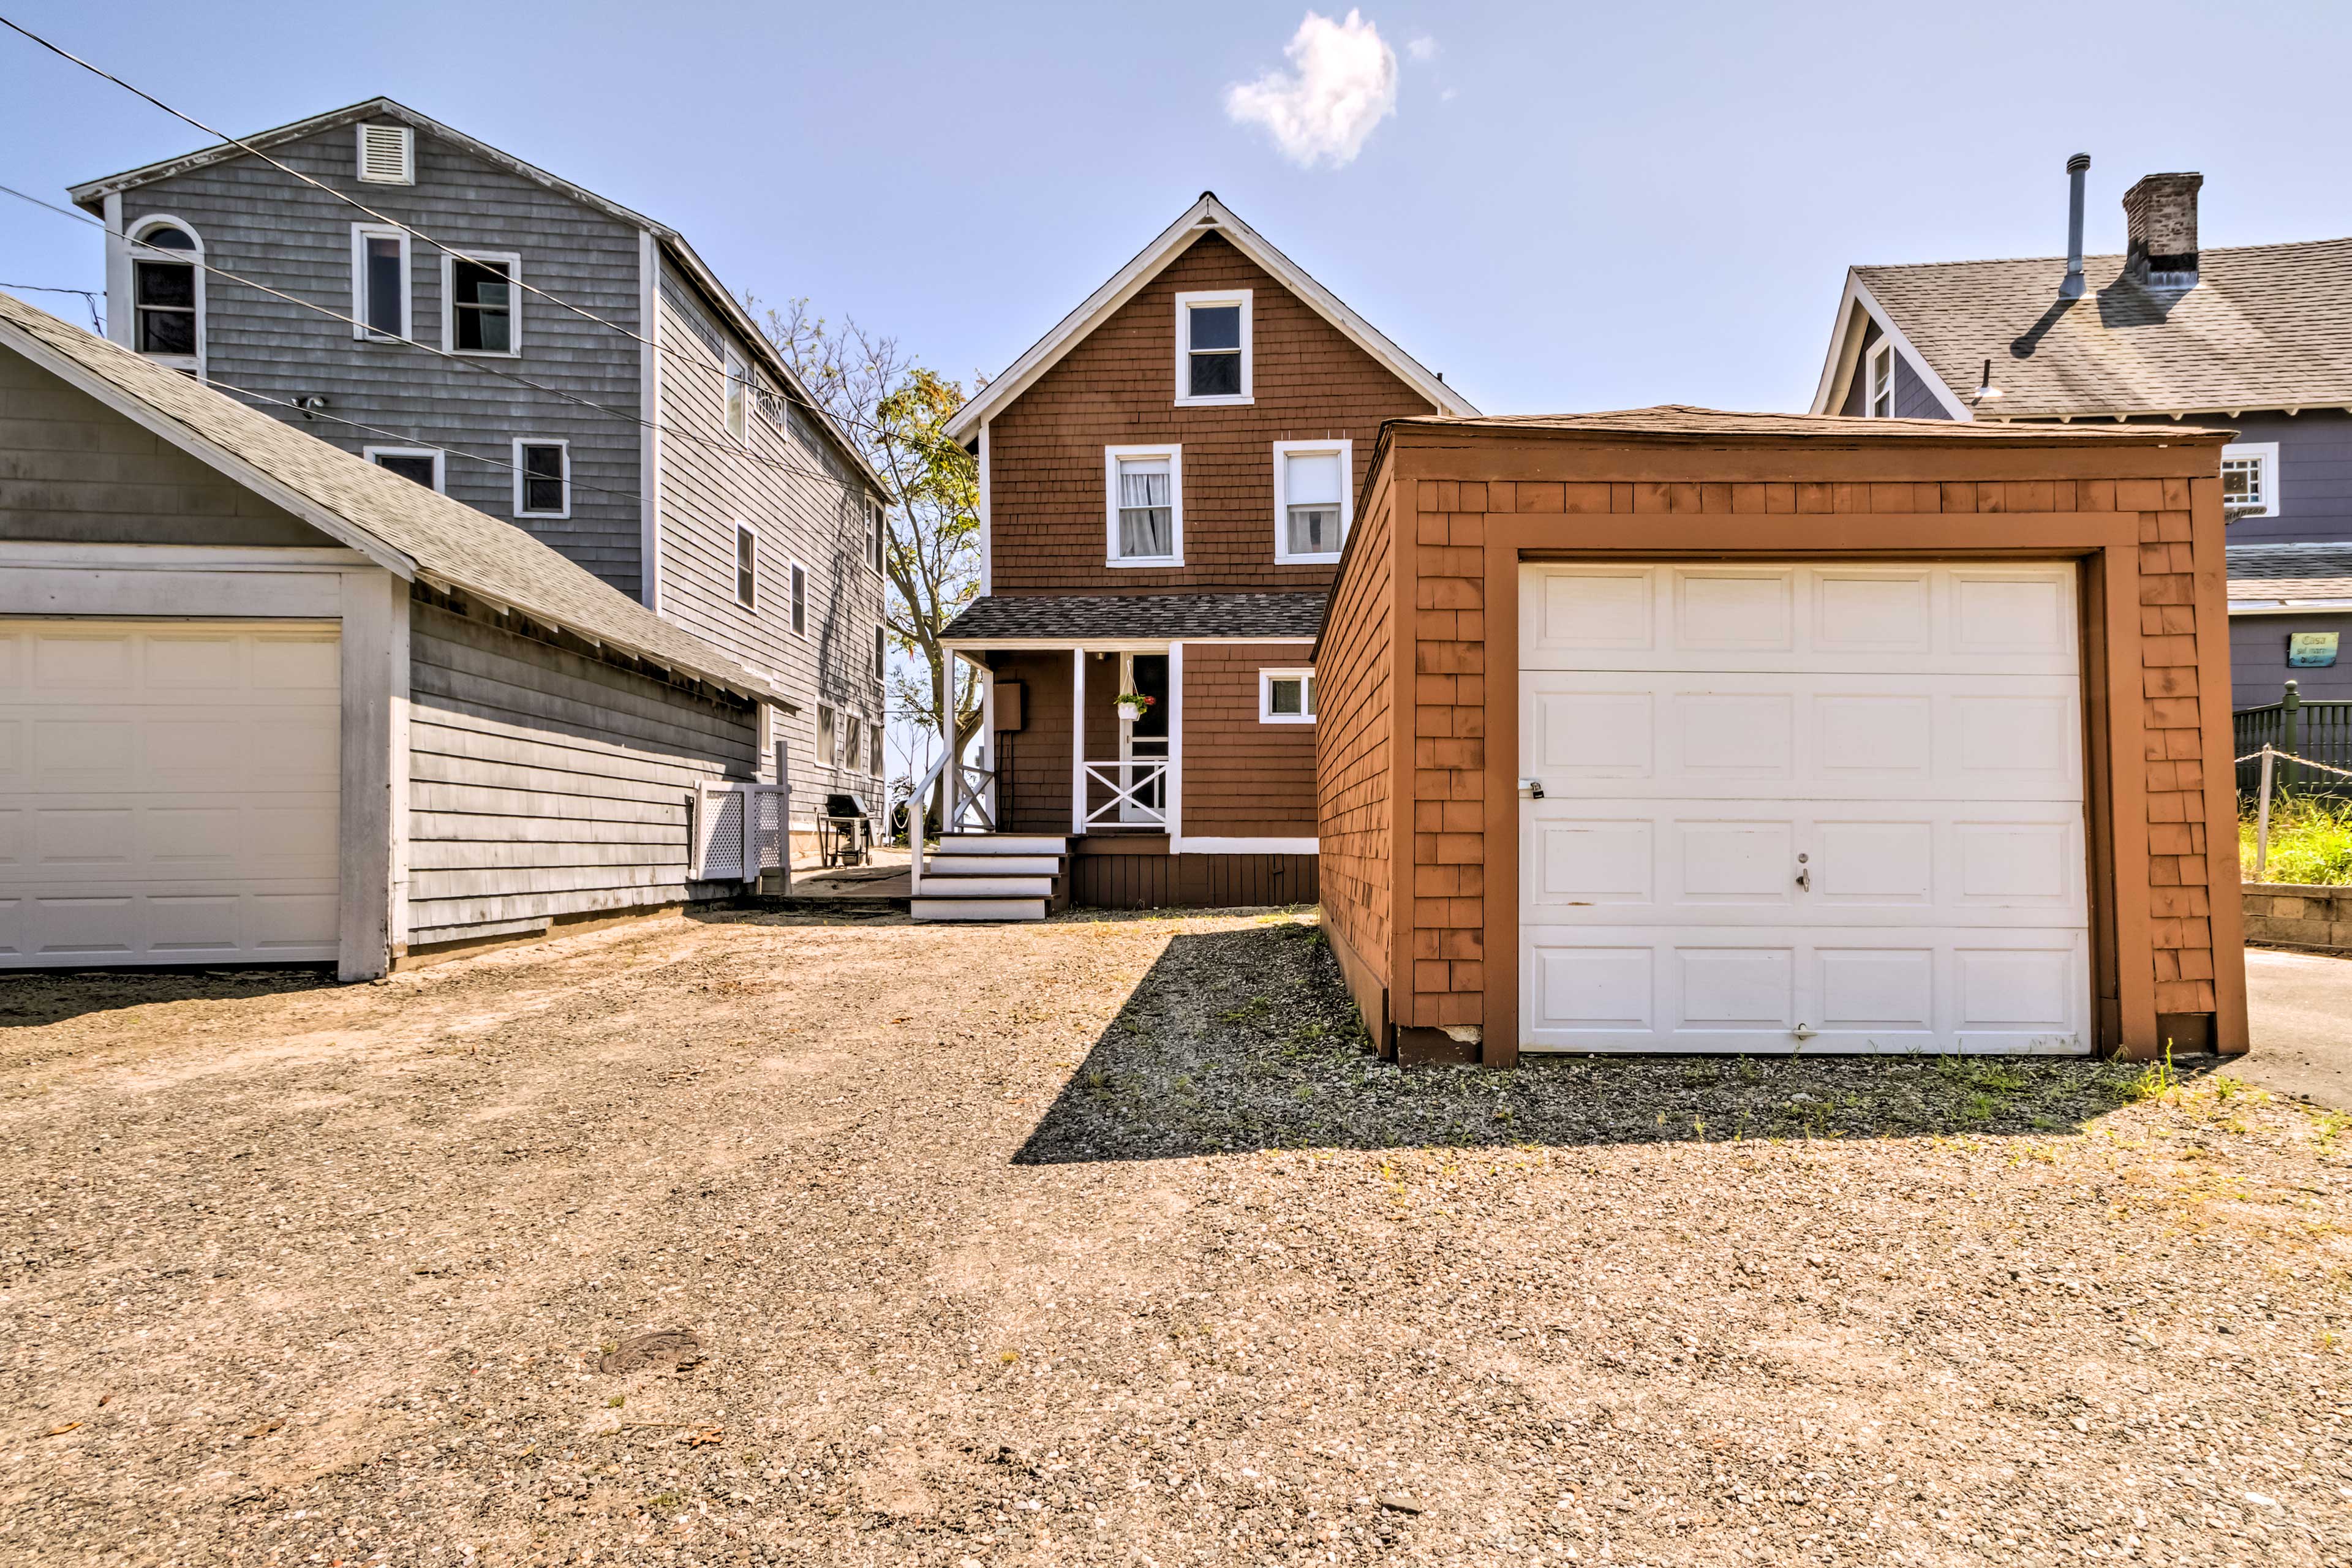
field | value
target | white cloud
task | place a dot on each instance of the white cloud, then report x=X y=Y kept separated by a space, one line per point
x=1341 y=83
x=1422 y=49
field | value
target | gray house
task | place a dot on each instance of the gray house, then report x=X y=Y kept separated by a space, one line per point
x=262 y=702
x=541 y=354
x=2255 y=338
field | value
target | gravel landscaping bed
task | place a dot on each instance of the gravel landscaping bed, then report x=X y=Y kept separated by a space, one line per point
x=757 y=1239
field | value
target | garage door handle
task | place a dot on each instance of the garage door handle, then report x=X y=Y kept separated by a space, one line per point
x=1805 y=877
x=1534 y=789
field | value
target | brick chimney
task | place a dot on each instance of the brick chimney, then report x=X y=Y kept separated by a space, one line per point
x=2160 y=213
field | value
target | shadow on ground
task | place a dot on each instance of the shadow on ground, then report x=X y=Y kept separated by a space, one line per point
x=52 y=996
x=1245 y=1040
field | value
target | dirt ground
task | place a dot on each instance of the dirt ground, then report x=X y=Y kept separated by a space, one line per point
x=1100 y=1241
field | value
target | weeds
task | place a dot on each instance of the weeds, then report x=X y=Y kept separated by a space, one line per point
x=2311 y=841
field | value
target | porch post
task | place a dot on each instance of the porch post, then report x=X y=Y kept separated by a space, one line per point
x=1077 y=740
x=953 y=774
x=1173 y=790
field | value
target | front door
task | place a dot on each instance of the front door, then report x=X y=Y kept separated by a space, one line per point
x=1145 y=740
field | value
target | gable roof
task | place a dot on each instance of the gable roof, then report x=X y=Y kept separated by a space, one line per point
x=2266 y=326
x=408 y=529
x=90 y=195
x=1207 y=215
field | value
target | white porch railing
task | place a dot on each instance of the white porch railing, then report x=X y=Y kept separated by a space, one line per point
x=974 y=801
x=1129 y=792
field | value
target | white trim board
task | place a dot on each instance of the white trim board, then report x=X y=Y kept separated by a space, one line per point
x=1189 y=845
x=1845 y=352
x=1207 y=215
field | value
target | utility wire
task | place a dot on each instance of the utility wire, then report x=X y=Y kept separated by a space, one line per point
x=469 y=361
x=88 y=297
x=349 y=200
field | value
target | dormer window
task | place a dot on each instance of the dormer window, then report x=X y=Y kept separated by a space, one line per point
x=167 y=292
x=387 y=155
x=1879 y=388
x=1213 y=358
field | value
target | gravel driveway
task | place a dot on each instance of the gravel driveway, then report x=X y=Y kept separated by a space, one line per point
x=1099 y=1241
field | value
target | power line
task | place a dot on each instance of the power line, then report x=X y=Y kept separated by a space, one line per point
x=351 y=201
x=470 y=362
x=88 y=297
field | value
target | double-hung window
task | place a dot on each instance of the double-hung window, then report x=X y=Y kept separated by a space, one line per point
x=879 y=524
x=1878 y=390
x=542 y=478
x=2250 y=479
x=1286 y=697
x=1313 y=487
x=379 y=281
x=881 y=652
x=167 y=289
x=739 y=397
x=828 y=736
x=478 y=310
x=799 y=579
x=1146 y=505
x=747 y=566
x=1213 y=356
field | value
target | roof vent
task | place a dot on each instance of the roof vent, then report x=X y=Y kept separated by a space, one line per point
x=2160 y=213
x=388 y=154
x=2077 y=167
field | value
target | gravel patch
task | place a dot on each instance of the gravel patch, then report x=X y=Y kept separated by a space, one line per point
x=758 y=1239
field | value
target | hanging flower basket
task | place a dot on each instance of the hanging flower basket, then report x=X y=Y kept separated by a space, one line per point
x=1133 y=705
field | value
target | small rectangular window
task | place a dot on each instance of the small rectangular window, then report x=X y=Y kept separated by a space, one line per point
x=1311 y=485
x=387 y=155
x=542 y=478
x=1146 y=505
x=419 y=464
x=881 y=532
x=379 y=281
x=747 y=567
x=167 y=307
x=800 y=600
x=825 y=736
x=739 y=397
x=1213 y=348
x=852 y=741
x=481 y=305
x=1880 y=390
x=1286 y=695
x=873 y=737
x=2249 y=485
x=881 y=652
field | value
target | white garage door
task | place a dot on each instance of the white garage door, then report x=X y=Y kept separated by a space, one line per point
x=1833 y=807
x=167 y=791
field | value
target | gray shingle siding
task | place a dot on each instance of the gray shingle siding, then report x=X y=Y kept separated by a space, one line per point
x=2315 y=475
x=2258 y=669
x=264 y=224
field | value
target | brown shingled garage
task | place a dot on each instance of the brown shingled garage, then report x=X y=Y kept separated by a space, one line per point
x=1680 y=730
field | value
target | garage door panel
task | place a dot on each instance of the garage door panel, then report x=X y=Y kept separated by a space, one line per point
x=1905 y=739
x=1888 y=617
x=179 y=801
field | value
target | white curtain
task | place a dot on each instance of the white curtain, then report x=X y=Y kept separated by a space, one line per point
x=1146 y=518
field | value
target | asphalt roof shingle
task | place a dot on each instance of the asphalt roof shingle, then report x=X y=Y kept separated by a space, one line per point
x=2267 y=326
x=2272 y=574
x=1061 y=617
x=445 y=540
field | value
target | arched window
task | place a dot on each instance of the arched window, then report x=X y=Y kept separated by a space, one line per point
x=167 y=292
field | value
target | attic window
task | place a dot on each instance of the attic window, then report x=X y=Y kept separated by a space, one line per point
x=387 y=155
x=1213 y=354
x=2250 y=479
x=1879 y=390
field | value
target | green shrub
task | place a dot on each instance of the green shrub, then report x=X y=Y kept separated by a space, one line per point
x=2311 y=841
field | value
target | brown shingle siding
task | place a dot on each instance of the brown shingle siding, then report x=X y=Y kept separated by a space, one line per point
x=1355 y=784
x=1242 y=778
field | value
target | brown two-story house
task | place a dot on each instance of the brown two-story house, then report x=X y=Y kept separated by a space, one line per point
x=1166 y=481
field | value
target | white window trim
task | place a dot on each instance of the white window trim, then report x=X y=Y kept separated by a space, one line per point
x=514 y=303
x=1175 y=455
x=193 y=260
x=1286 y=449
x=1265 y=679
x=878 y=529
x=440 y=460
x=520 y=443
x=1184 y=303
x=360 y=234
x=734 y=366
x=2267 y=452
x=795 y=574
x=407 y=151
x=735 y=566
x=1879 y=353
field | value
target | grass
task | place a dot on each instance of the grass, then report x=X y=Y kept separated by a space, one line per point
x=2311 y=841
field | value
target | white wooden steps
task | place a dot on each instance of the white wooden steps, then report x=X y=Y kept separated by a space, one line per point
x=990 y=877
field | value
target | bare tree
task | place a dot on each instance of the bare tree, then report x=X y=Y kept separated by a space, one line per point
x=895 y=409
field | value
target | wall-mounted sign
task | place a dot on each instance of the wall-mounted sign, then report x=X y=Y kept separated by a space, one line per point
x=2311 y=650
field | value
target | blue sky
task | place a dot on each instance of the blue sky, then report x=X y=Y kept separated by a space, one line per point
x=1571 y=207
